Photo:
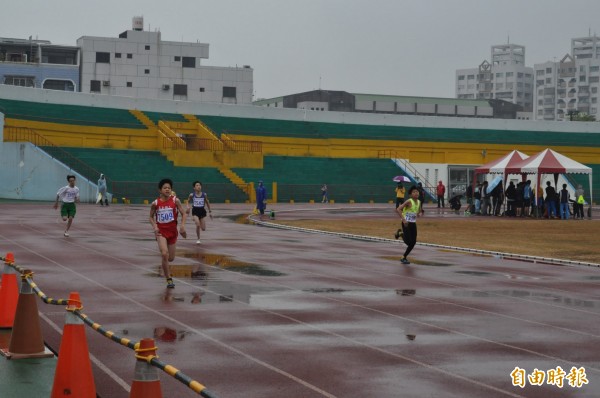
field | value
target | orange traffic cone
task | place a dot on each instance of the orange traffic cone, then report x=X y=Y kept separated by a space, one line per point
x=26 y=338
x=9 y=294
x=10 y=258
x=145 y=380
x=73 y=377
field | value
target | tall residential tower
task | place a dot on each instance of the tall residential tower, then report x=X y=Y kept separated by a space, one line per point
x=506 y=77
x=570 y=86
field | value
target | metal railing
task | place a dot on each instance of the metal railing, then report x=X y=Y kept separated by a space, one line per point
x=195 y=143
x=25 y=134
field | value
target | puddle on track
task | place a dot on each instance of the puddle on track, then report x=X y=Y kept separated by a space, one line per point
x=229 y=263
x=475 y=273
x=418 y=262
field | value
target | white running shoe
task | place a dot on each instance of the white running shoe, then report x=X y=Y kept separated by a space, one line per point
x=66 y=234
x=198 y=242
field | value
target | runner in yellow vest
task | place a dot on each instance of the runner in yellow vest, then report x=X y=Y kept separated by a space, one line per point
x=409 y=211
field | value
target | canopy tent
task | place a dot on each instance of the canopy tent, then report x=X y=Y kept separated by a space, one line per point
x=499 y=166
x=550 y=162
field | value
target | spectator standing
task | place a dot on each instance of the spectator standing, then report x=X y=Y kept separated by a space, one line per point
x=261 y=198
x=550 y=200
x=469 y=194
x=485 y=199
x=527 y=196
x=400 y=193
x=441 y=192
x=102 y=190
x=579 y=201
x=564 y=203
x=324 y=195
x=511 y=194
x=477 y=196
x=540 y=202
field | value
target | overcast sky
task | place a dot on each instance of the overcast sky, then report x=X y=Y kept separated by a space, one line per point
x=393 y=47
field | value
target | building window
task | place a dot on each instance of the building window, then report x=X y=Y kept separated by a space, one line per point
x=23 y=81
x=461 y=77
x=147 y=47
x=594 y=79
x=582 y=78
x=60 y=85
x=117 y=55
x=103 y=58
x=129 y=56
x=594 y=68
x=548 y=70
x=146 y=71
x=539 y=72
x=177 y=58
x=201 y=89
x=594 y=90
x=229 y=92
x=180 y=89
x=188 y=62
x=519 y=75
x=94 y=86
x=548 y=80
x=471 y=77
x=509 y=74
x=129 y=84
x=500 y=75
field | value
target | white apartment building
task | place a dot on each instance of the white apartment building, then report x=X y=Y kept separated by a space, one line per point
x=506 y=78
x=139 y=64
x=571 y=85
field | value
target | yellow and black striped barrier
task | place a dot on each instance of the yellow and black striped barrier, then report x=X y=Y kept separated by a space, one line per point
x=172 y=371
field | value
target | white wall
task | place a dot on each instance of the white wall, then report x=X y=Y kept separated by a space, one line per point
x=29 y=173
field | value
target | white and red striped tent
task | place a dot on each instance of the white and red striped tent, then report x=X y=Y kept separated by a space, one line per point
x=550 y=162
x=498 y=166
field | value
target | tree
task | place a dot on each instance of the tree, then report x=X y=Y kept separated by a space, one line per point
x=583 y=117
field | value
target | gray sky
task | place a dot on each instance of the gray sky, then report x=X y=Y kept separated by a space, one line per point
x=393 y=47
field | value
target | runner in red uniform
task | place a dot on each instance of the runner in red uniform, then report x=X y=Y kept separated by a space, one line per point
x=164 y=213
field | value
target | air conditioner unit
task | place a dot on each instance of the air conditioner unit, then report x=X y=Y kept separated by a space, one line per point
x=165 y=87
x=106 y=83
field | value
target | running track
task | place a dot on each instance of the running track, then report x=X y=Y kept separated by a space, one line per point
x=262 y=312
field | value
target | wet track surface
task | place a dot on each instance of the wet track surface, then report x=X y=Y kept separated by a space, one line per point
x=263 y=312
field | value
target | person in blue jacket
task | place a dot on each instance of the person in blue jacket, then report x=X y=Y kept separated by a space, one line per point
x=261 y=198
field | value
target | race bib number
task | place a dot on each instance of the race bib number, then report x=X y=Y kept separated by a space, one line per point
x=199 y=202
x=411 y=217
x=165 y=215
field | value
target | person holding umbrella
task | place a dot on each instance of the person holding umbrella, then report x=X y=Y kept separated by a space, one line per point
x=400 y=192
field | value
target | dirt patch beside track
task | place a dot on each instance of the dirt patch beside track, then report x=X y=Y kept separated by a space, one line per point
x=570 y=240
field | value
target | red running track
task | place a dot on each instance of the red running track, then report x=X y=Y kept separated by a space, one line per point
x=261 y=312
